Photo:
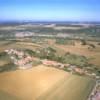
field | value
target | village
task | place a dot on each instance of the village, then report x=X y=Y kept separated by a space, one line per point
x=19 y=58
x=24 y=60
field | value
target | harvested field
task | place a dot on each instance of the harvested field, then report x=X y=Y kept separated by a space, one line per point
x=70 y=88
x=70 y=28
x=19 y=45
x=29 y=84
x=44 y=83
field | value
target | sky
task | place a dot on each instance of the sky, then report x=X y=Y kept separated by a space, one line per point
x=50 y=10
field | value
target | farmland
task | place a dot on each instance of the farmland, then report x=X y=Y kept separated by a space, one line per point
x=44 y=81
x=83 y=50
x=48 y=62
x=48 y=81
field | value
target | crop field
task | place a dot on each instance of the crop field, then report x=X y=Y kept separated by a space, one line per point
x=17 y=45
x=29 y=84
x=72 y=28
x=44 y=83
x=70 y=88
x=84 y=50
x=59 y=62
x=92 y=53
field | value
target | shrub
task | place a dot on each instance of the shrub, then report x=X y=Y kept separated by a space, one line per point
x=75 y=59
x=8 y=67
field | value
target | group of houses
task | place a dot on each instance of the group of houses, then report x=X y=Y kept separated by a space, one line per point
x=24 y=60
x=69 y=67
x=20 y=58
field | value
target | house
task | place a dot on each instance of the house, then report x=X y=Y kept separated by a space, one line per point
x=52 y=63
x=78 y=70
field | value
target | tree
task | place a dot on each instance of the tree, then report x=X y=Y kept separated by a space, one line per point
x=83 y=42
x=92 y=45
